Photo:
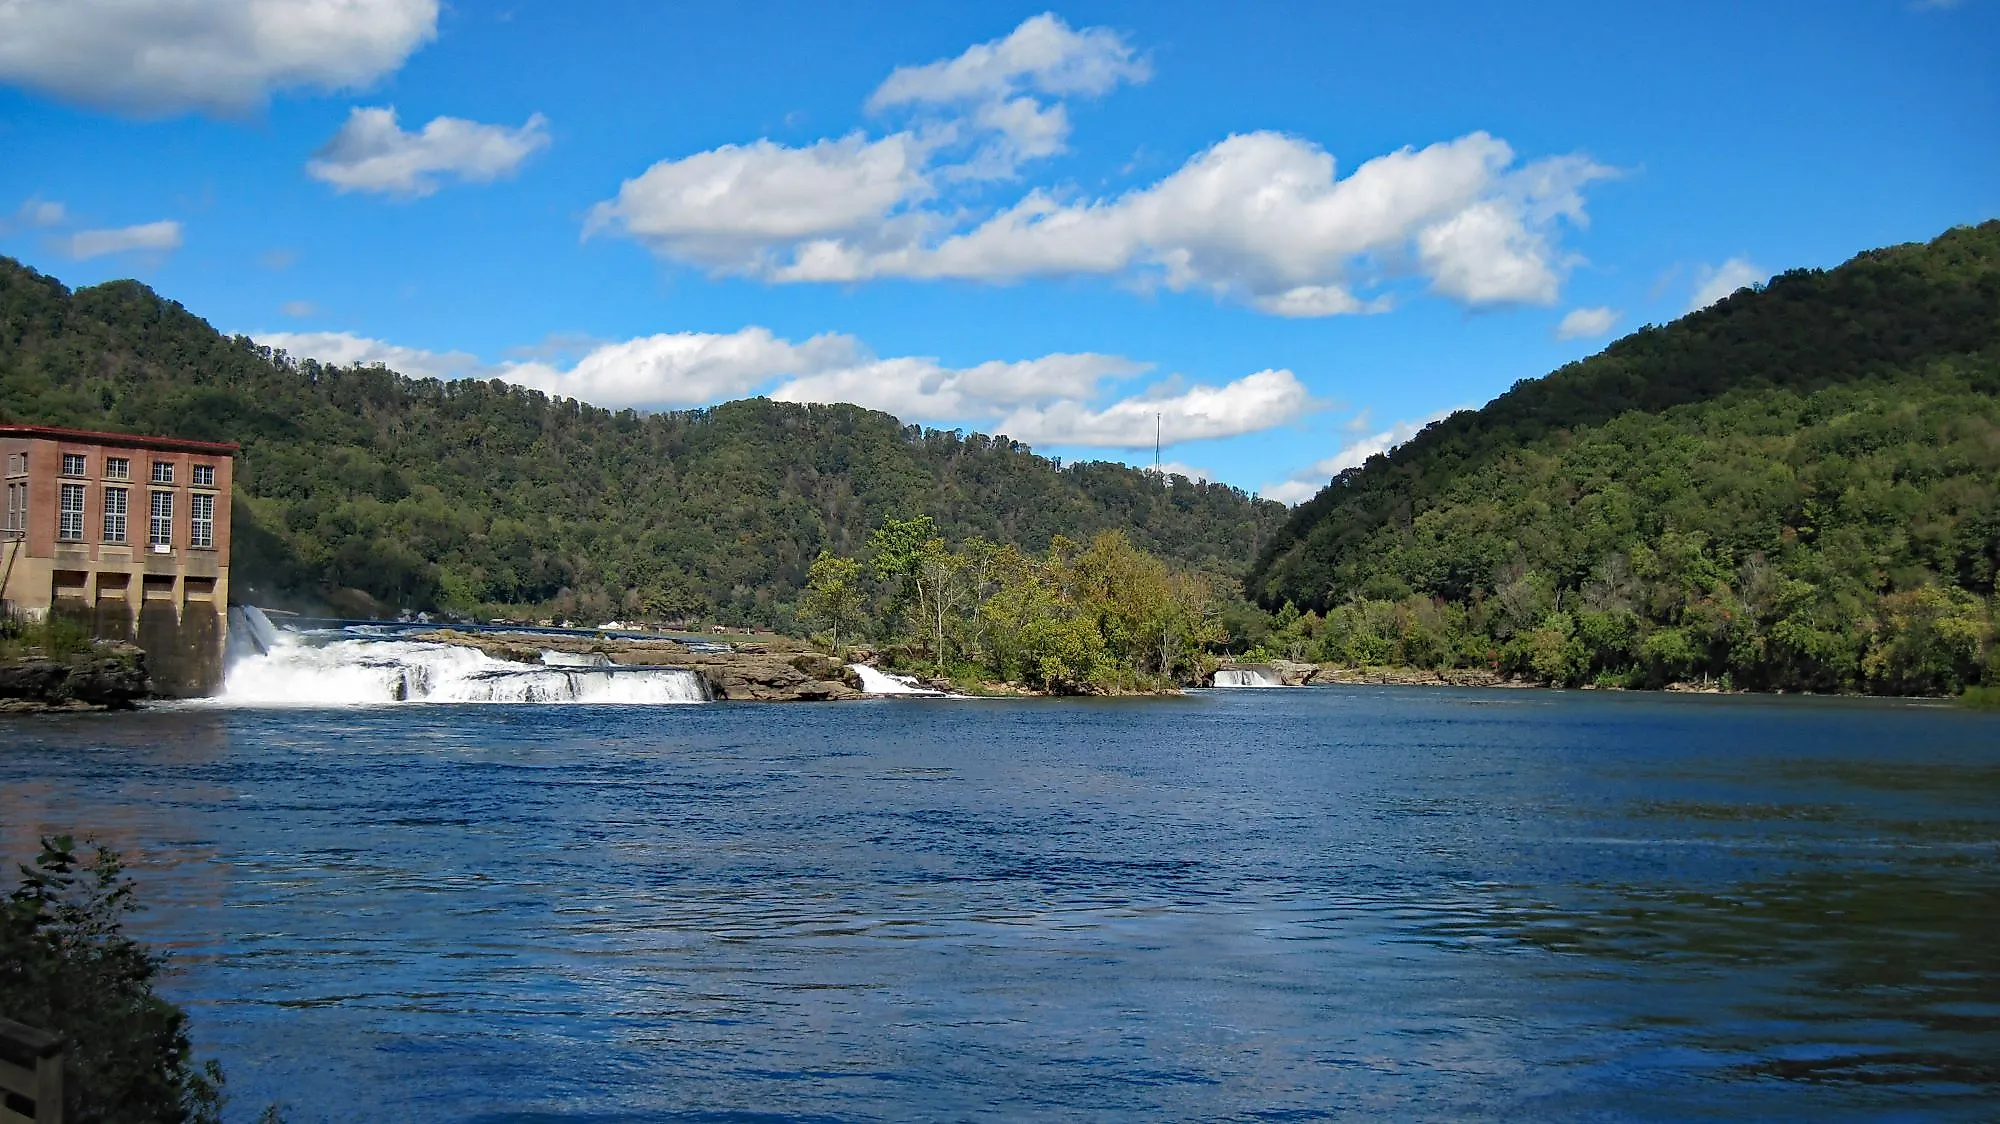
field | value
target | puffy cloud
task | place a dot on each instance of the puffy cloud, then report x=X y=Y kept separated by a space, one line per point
x=1587 y=323
x=993 y=86
x=158 y=57
x=1043 y=54
x=726 y=208
x=1716 y=282
x=684 y=368
x=159 y=236
x=1259 y=217
x=1262 y=216
x=1256 y=402
x=923 y=389
x=298 y=309
x=1046 y=399
x=345 y=349
x=1486 y=254
x=372 y=153
x=1306 y=483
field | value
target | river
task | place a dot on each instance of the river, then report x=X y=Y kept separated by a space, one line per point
x=1280 y=904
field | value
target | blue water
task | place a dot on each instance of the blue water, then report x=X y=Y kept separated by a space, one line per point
x=1413 y=904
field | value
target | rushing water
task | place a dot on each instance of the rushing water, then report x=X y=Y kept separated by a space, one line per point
x=296 y=671
x=1253 y=904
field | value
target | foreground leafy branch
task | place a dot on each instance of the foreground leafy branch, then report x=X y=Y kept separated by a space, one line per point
x=67 y=966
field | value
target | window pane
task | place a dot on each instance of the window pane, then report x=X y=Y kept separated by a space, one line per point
x=160 y=525
x=69 y=513
x=114 y=514
x=118 y=468
x=163 y=472
x=201 y=521
x=72 y=464
x=204 y=475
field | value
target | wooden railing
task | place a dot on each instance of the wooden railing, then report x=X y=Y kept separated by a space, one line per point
x=31 y=1075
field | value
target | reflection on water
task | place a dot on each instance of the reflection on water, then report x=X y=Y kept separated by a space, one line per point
x=1302 y=904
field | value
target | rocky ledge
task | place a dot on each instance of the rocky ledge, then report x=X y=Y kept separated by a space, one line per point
x=109 y=677
x=1294 y=674
x=765 y=675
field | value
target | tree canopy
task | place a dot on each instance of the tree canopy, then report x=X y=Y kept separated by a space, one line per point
x=364 y=488
x=1798 y=488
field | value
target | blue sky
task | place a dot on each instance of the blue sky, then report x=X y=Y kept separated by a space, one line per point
x=1292 y=233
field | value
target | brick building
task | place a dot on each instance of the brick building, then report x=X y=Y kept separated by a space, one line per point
x=126 y=532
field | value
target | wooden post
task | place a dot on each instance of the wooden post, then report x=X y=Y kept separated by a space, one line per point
x=31 y=1075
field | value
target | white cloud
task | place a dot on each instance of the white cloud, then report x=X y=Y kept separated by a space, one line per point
x=1259 y=217
x=725 y=209
x=1053 y=398
x=1176 y=468
x=298 y=309
x=159 y=57
x=372 y=153
x=344 y=349
x=1713 y=283
x=159 y=236
x=1587 y=323
x=1256 y=402
x=1486 y=254
x=1306 y=483
x=992 y=88
x=36 y=211
x=919 y=388
x=1262 y=216
x=1265 y=219
x=684 y=368
x=1042 y=55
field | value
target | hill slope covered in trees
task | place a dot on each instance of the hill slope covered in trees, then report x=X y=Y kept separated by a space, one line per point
x=471 y=495
x=1796 y=488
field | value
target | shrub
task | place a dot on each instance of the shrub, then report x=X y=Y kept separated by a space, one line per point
x=67 y=966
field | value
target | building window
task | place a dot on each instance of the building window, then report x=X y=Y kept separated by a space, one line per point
x=72 y=464
x=117 y=468
x=17 y=464
x=201 y=520
x=160 y=528
x=17 y=508
x=69 y=513
x=163 y=472
x=115 y=500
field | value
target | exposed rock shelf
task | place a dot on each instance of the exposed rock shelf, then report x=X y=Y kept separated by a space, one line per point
x=109 y=677
x=760 y=676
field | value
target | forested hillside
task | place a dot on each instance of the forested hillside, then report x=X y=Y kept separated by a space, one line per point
x=475 y=495
x=1797 y=488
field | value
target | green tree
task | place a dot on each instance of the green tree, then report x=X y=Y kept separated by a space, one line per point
x=67 y=966
x=834 y=597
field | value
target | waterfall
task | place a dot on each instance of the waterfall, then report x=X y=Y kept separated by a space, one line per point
x=877 y=682
x=250 y=633
x=292 y=671
x=1244 y=677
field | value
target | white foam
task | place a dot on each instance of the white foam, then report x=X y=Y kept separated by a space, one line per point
x=1244 y=677
x=294 y=672
x=875 y=681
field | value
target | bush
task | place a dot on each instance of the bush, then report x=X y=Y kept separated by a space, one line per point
x=55 y=636
x=67 y=966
